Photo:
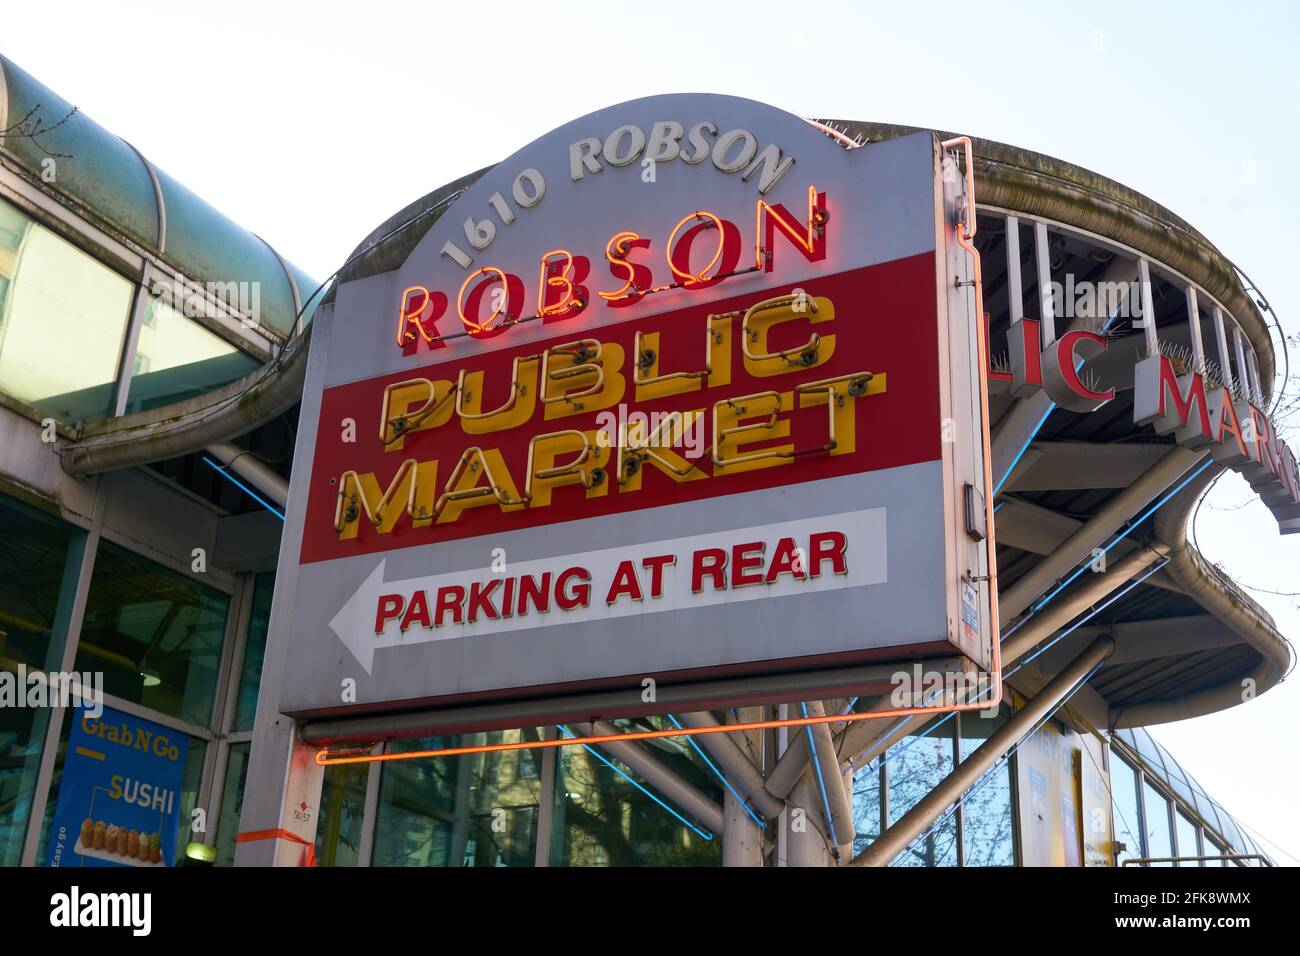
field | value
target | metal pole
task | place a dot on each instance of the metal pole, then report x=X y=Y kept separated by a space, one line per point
x=1097 y=529
x=252 y=470
x=742 y=842
x=913 y=823
x=841 y=810
x=1066 y=607
x=737 y=766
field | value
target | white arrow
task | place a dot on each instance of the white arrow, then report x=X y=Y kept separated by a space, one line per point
x=355 y=622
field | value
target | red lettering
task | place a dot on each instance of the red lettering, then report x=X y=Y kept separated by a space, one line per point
x=1230 y=424
x=508 y=598
x=787 y=560
x=390 y=605
x=539 y=594
x=828 y=546
x=742 y=563
x=417 y=319
x=656 y=567
x=417 y=612
x=725 y=257
x=625 y=583
x=504 y=298
x=480 y=600
x=561 y=294
x=579 y=595
x=637 y=278
x=1195 y=397
x=450 y=601
x=809 y=238
x=1067 y=361
x=710 y=562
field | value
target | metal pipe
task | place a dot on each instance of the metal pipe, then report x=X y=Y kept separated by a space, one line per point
x=742 y=842
x=659 y=776
x=1178 y=860
x=805 y=843
x=913 y=823
x=790 y=765
x=185 y=427
x=1220 y=597
x=1064 y=609
x=859 y=737
x=1123 y=506
x=842 y=829
x=733 y=761
x=255 y=472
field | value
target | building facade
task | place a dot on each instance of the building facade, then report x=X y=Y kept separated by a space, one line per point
x=153 y=361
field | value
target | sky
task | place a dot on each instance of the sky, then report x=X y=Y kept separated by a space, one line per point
x=311 y=123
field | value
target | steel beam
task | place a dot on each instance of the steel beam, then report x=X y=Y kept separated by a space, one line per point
x=252 y=470
x=735 y=764
x=1100 y=527
x=828 y=770
x=915 y=822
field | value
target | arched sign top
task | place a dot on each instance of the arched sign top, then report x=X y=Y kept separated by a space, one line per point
x=665 y=173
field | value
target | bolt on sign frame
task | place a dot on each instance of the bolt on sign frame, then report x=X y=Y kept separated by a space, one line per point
x=683 y=396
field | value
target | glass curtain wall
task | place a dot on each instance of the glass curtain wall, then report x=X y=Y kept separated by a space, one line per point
x=39 y=561
x=1152 y=823
x=64 y=319
x=979 y=832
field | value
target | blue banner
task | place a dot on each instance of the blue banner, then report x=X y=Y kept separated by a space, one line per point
x=120 y=796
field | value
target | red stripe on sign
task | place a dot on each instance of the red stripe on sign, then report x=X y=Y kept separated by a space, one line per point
x=884 y=323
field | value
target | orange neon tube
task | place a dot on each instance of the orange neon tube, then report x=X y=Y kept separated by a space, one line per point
x=324 y=758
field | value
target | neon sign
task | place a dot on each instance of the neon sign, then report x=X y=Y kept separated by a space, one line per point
x=562 y=294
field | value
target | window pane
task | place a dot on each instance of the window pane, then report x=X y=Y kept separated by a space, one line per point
x=1212 y=848
x=607 y=816
x=1159 y=842
x=155 y=634
x=250 y=672
x=63 y=317
x=342 y=807
x=176 y=358
x=194 y=754
x=232 y=803
x=1124 y=801
x=38 y=569
x=988 y=821
x=22 y=732
x=1187 y=845
x=474 y=810
x=913 y=767
x=34 y=572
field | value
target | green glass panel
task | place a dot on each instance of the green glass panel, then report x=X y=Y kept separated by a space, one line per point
x=176 y=358
x=156 y=635
x=606 y=816
x=472 y=810
x=63 y=317
x=250 y=672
